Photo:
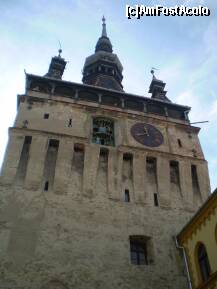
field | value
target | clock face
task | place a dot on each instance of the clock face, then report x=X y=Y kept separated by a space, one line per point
x=147 y=134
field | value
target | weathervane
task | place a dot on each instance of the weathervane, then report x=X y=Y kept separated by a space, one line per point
x=152 y=71
x=60 y=49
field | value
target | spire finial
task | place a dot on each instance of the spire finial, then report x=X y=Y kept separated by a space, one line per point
x=104 y=33
x=60 y=49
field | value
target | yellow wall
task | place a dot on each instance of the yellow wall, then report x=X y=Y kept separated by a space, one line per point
x=203 y=232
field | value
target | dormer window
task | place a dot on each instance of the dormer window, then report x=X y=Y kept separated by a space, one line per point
x=103 y=131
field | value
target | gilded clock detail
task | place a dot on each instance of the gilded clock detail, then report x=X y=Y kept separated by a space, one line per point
x=147 y=134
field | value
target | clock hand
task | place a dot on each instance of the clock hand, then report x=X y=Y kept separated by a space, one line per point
x=142 y=134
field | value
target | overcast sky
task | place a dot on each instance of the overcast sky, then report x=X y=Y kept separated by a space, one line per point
x=183 y=48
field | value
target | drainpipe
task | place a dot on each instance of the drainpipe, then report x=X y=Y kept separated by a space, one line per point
x=186 y=262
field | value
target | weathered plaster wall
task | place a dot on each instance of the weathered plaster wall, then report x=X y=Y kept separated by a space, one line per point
x=76 y=234
x=84 y=242
x=82 y=113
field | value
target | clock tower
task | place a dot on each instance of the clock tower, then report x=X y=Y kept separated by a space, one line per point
x=96 y=182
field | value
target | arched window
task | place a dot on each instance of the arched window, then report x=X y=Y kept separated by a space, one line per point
x=203 y=262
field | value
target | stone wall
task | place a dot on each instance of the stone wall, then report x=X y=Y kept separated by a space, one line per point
x=84 y=242
x=76 y=233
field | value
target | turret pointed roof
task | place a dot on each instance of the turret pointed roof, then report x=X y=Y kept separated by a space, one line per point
x=57 y=66
x=157 y=89
x=104 y=43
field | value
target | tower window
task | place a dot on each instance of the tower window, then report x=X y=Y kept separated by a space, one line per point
x=179 y=142
x=203 y=262
x=174 y=173
x=78 y=158
x=46 y=115
x=50 y=164
x=127 y=157
x=25 y=123
x=151 y=165
x=78 y=148
x=195 y=183
x=53 y=143
x=70 y=123
x=46 y=186
x=156 y=200
x=194 y=153
x=139 y=250
x=24 y=158
x=28 y=140
x=127 y=196
x=103 y=131
x=152 y=181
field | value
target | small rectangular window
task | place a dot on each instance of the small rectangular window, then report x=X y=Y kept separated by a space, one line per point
x=139 y=250
x=70 y=123
x=46 y=186
x=127 y=196
x=46 y=115
x=78 y=148
x=127 y=157
x=179 y=142
x=28 y=140
x=53 y=143
x=156 y=200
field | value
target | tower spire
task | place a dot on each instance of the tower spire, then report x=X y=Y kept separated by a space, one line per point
x=104 y=33
x=103 y=68
x=103 y=43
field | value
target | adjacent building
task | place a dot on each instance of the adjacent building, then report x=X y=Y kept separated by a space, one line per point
x=199 y=240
